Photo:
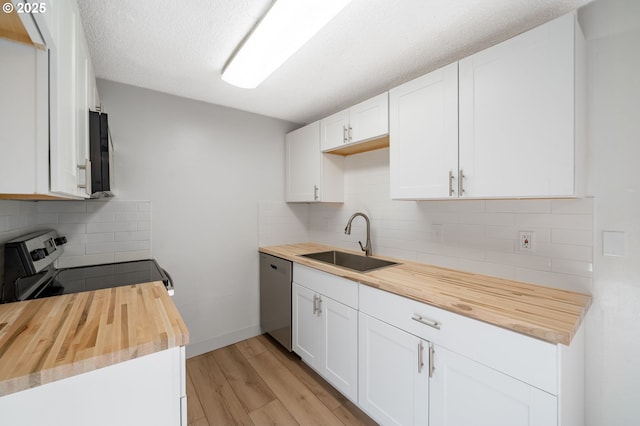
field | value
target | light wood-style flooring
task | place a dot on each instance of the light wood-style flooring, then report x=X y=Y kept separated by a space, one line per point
x=256 y=382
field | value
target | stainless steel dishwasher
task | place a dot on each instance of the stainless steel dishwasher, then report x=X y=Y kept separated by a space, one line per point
x=275 y=298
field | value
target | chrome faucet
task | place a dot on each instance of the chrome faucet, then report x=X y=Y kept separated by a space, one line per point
x=347 y=230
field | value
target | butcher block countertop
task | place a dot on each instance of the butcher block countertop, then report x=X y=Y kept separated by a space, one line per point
x=57 y=337
x=545 y=313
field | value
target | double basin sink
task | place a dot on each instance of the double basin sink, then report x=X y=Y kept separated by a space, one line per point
x=355 y=262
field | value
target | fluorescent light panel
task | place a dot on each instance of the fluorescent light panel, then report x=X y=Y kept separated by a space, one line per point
x=284 y=29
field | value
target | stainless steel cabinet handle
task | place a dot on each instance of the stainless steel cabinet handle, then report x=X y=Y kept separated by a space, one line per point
x=432 y=367
x=350 y=129
x=451 y=178
x=86 y=167
x=344 y=134
x=461 y=183
x=426 y=321
x=420 y=355
x=317 y=307
x=315 y=192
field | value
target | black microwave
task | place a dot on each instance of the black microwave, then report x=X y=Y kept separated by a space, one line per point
x=100 y=155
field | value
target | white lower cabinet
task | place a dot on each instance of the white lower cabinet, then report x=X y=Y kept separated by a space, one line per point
x=325 y=331
x=409 y=363
x=307 y=326
x=341 y=346
x=149 y=390
x=465 y=392
x=393 y=374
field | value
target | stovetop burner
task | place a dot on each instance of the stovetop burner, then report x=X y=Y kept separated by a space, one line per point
x=86 y=278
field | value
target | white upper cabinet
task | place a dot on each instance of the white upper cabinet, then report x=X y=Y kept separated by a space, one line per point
x=334 y=130
x=49 y=138
x=424 y=136
x=518 y=116
x=24 y=119
x=312 y=176
x=363 y=122
x=505 y=122
x=69 y=104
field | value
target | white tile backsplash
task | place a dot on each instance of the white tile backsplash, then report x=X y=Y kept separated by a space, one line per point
x=475 y=235
x=282 y=223
x=98 y=231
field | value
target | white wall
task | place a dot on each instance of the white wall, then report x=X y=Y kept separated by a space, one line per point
x=612 y=29
x=205 y=169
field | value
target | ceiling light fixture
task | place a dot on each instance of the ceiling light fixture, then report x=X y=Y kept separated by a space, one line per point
x=282 y=31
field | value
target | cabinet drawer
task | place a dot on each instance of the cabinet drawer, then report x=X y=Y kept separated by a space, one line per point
x=339 y=289
x=525 y=358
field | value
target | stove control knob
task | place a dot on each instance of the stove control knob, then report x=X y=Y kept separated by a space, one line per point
x=60 y=241
x=38 y=254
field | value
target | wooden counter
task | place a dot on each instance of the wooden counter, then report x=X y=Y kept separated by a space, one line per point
x=545 y=313
x=50 y=339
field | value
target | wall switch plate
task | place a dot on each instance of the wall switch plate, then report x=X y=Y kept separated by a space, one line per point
x=613 y=243
x=525 y=241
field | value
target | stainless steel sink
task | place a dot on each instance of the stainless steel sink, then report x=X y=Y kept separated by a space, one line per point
x=350 y=261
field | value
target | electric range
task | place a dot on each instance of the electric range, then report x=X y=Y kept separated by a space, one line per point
x=30 y=272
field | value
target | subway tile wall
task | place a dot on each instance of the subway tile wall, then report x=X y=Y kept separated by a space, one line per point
x=98 y=231
x=282 y=223
x=473 y=235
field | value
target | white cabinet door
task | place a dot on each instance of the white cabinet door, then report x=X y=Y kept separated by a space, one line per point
x=148 y=390
x=325 y=335
x=341 y=346
x=307 y=326
x=517 y=115
x=369 y=119
x=334 y=130
x=83 y=95
x=24 y=123
x=64 y=161
x=393 y=379
x=69 y=77
x=364 y=121
x=310 y=174
x=464 y=392
x=423 y=128
x=303 y=163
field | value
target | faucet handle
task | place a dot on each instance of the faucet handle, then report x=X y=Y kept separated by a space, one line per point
x=363 y=248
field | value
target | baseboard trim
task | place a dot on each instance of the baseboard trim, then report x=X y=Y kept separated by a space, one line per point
x=199 y=348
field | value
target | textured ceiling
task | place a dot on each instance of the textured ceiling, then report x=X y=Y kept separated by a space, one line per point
x=180 y=47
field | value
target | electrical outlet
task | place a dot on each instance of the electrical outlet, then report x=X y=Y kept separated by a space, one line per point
x=525 y=241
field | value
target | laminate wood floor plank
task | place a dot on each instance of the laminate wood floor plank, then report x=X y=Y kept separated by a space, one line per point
x=200 y=422
x=251 y=347
x=288 y=391
x=303 y=405
x=351 y=415
x=250 y=389
x=320 y=388
x=274 y=414
x=194 y=408
x=219 y=402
